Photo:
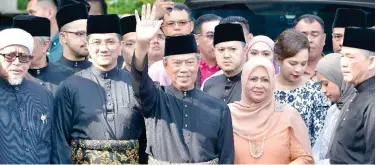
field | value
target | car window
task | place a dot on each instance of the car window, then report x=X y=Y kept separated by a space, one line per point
x=271 y=19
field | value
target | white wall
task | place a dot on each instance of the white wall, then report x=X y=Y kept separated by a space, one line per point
x=8 y=6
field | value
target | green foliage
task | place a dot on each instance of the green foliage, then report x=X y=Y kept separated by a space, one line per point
x=128 y=6
x=114 y=6
x=22 y=4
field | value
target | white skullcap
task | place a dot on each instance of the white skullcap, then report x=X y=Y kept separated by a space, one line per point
x=15 y=36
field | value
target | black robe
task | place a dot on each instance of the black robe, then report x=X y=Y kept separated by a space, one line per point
x=25 y=123
x=51 y=75
x=94 y=105
x=76 y=66
x=120 y=62
x=183 y=127
x=227 y=89
x=354 y=139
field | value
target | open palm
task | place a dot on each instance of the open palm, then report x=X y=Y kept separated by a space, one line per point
x=147 y=26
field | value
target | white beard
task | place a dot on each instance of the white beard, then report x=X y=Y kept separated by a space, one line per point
x=14 y=80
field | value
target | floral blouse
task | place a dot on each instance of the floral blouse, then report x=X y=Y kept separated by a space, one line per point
x=310 y=102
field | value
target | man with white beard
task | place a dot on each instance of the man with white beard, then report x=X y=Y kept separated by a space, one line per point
x=25 y=106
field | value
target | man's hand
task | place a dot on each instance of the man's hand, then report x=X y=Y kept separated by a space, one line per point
x=146 y=29
x=147 y=26
x=163 y=8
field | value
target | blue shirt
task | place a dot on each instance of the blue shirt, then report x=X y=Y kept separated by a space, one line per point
x=25 y=123
x=56 y=49
x=183 y=126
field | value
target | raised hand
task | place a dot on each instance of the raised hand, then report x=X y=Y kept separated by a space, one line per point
x=147 y=26
x=163 y=7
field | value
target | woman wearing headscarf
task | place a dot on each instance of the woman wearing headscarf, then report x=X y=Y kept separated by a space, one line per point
x=266 y=132
x=262 y=46
x=258 y=46
x=339 y=92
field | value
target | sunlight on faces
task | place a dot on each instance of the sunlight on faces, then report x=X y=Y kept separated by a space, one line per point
x=205 y=39
x=41 y=46
x=104 y=49
x=129 y=45
x=14 y=71
x=330 y=89
x=261 y=49
x=182 y=70
x=258 y=85
x=177 y=23
x=37 y=51
x=315 y=35
x=230 y=55
x=76 y=43
x=355 y=64
x=293 y=68
x=337 y=39
x=157 y=46
x=95 y=8
x=36 y=8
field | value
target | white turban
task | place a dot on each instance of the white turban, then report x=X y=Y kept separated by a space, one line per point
x=15 y=36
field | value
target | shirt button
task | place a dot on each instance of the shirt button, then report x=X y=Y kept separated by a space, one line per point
x=21 y=109
x=186 y=115
x=186 y=126
x=16 y=88
x=54 y=43
x=344 y=118
x=224 y=100
x=24 y=128
x=185 y=106
x=347 y=110
x=27 y=149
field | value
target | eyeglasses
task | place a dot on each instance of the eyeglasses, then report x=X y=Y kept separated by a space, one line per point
x=107 y=43
x=23 y=58
x=78 y=34
x=208 y=36
x=180 y=23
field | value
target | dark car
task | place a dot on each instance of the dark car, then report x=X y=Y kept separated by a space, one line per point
x=271 y=17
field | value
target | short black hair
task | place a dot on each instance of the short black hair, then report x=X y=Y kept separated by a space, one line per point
x=103 y=5
x=203 y=19
x=236 y=19
x=309 y=18
x=181 y=6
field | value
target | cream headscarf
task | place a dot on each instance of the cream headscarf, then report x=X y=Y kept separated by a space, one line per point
x=266 y=118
